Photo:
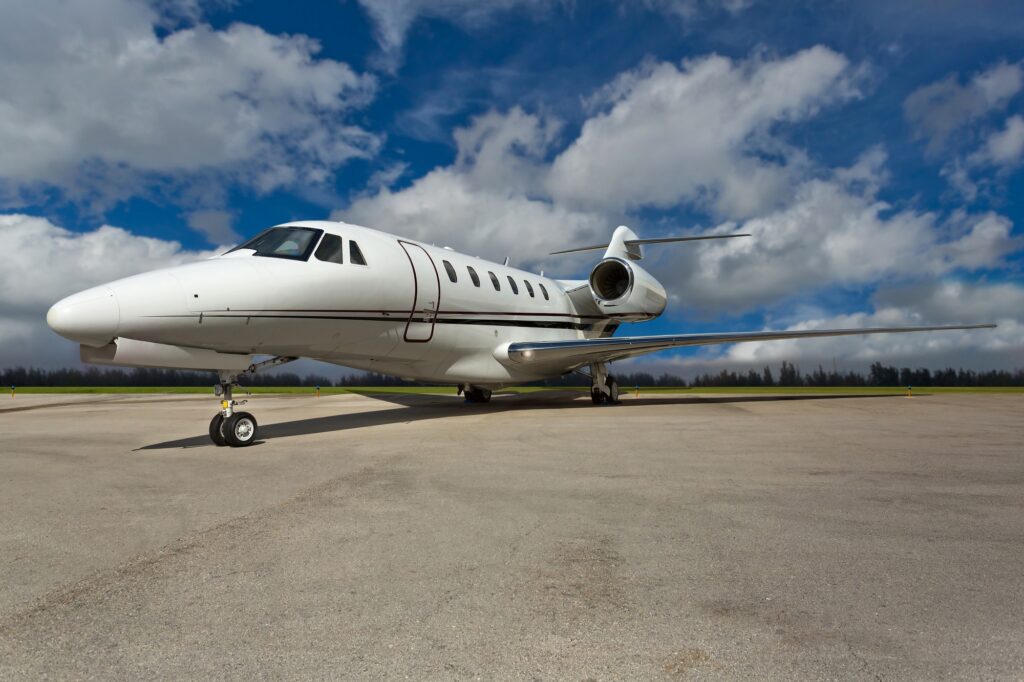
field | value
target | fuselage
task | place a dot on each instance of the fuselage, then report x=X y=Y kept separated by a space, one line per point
x=389 y=305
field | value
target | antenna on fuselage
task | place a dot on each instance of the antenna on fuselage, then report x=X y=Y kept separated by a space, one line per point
x=506 y=261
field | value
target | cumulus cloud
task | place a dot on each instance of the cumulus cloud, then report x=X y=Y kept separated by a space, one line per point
x=488 y=201
x=46 y=262
x=1005 y=147
x=662 y=135
x=835 y=232
x=94 y=98
x=948 y=302
x=215 y=225
x=943 y=303
x=699 y=133
x=936 y=111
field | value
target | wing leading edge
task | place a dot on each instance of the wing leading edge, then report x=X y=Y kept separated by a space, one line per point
x=578 y=352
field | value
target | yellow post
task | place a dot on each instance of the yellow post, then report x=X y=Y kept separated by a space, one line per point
x=638 y=390
x=12 y=390
x=317 y=391
x=910 y=392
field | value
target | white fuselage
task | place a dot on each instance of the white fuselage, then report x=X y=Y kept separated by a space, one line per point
x=398 y=314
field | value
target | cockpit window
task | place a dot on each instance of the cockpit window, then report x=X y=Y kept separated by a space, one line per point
x=355 y=254
x=294 y=243
x=330 y=249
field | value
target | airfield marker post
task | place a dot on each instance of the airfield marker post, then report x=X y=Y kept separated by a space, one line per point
x=12 y=390
x=910 y=392
x=317 y=391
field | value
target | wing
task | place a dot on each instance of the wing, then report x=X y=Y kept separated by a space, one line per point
x=578 y=352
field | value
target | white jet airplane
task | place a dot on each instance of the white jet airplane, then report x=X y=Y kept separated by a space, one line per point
x=362 y=298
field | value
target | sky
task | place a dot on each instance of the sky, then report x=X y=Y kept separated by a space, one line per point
x=874 y=150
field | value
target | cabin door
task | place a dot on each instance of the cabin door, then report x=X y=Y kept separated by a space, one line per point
x=426 y=295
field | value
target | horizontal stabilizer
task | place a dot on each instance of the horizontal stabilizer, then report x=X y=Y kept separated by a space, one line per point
x=661 y=240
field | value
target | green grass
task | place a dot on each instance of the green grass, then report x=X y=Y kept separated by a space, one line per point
x=332 y=390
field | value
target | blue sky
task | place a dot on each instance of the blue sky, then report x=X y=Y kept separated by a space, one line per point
x=874 y=149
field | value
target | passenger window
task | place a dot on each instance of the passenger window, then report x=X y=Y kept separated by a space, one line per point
x=451 y=272
x=543 y=291
x=528 y=288
x=355 y=255
x=512 y=283
x=472 y=276
x=494 y=281
x=331 y=249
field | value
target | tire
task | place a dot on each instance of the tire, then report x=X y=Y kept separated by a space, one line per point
x=239 y=429
x=613 y=391
x=478 y=395
x=215 y=433
x=596 y=396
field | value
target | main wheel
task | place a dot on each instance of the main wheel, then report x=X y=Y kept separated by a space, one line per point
x=476 y=394
x=596 y=395
x=613 y=391
x=239 y=429
x=215 y=433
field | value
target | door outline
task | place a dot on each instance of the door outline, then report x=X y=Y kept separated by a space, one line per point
x=416 y=293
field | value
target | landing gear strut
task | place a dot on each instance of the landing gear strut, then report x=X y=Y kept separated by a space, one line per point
x=237 y=429
x=604 y=389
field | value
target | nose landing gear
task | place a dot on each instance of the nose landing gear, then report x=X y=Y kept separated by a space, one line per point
x=228 y=427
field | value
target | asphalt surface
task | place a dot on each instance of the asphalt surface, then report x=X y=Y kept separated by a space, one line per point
x=537 y=537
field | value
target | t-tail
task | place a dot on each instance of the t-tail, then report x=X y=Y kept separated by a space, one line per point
x=620 y=287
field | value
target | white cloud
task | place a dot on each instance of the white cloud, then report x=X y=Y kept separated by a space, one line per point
x=1004 y=148
x=488 y=201
x=699 y=133
x=215 y=225
x=835 y=232
x=393 y=19
x=91 y=94
x=938 y=110
x=935 y=303
x=45 y=263
x=942 y=303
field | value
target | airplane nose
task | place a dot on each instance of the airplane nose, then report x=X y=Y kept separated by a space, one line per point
x=90 y=317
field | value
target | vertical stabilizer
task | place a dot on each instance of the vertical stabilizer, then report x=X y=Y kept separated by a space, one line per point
x=618 y=248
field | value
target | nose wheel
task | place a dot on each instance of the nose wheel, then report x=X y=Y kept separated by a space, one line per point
x=236 y=429
x=228 y=427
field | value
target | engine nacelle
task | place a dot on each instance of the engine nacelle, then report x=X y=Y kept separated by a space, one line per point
x=626 y=290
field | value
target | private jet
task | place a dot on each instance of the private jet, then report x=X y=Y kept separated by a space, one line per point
x=362 y=298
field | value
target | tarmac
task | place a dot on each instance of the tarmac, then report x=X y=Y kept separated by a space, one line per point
x=536 y=537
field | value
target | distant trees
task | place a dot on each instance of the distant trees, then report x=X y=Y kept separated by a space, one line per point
x=788 y=375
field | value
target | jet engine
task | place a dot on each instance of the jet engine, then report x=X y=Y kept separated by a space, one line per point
x=625 y=290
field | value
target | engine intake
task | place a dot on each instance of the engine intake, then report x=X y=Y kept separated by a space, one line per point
x=626 y=291
x=611 y=280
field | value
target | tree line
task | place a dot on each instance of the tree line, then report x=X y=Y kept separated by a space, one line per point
x=787 y=374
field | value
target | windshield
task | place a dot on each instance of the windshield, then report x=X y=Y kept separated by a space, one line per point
x=283 y=242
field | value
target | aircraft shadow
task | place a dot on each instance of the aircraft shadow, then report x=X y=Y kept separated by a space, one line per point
x=412 y=407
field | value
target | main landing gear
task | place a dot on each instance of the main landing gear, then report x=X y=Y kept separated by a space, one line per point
x=604 y=389
x=237 y=429
x=476 y=394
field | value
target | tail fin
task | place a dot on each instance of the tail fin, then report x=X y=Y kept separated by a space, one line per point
x=626 y=244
